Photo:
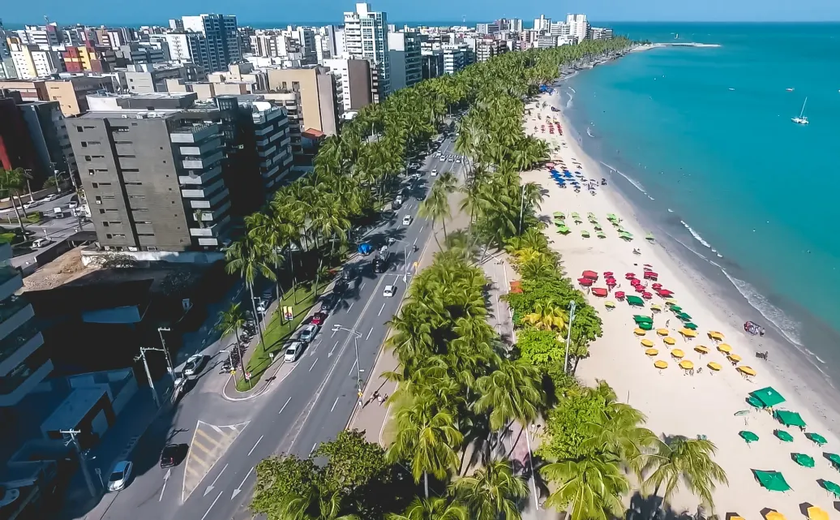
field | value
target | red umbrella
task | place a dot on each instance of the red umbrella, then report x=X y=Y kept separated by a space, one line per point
x=640 y=289
x=590 y=274
x=665 y=293
x=656 y=286
x=634 y=282
x=629 y=276
x=586 y=282
x=648 y=266
x=599 y=291
x=646 y=295
x=619 y=295
x=610 y=282
x=608 y=274
x=650 y=275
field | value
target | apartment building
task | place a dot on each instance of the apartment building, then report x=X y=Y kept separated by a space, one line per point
x=50 y=143
x=354 y=83
x=456 y=57
x=71 y=93
x=31 y=61
x=366 y=37
x=220 y=46
x=316 y=92
x=404 y=55
x=89 y=58
x=146 y=78
x=486 y=49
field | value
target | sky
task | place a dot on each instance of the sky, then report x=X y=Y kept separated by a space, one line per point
x=137 y=12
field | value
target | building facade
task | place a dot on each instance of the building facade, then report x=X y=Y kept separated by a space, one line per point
x=221 y=34
x=404 y=55
x=366 y=37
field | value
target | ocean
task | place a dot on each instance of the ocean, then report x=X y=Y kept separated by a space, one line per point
x=702 y=146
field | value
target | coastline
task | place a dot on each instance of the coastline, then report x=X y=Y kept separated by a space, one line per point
x=702 y=404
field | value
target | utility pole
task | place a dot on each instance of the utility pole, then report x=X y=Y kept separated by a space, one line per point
x=161 y=330
x=521 y=208
x=82 y=460
x=572 y=306
x=148 y=374
x=356 y=336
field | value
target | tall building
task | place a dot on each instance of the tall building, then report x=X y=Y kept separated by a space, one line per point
x=70 y=93
x=600 y=33
x=542 y=23
x=515 y=24
x=456 y=57
x=486 y=49
x=222 y=36
x=306 y=39
x=432 y=63
x=50 y=141
x=405 y=59
x=44 y=36
x=578 y=26
x=353 y=81
x=32 y=61
x=89 y=58
x=366 y=37
x=315 y=88
x=7 y=65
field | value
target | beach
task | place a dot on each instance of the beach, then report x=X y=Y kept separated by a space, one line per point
x=678 y=402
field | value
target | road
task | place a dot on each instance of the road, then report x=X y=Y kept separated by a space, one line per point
x=310 y=405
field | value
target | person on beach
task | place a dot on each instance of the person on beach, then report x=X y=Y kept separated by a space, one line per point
x=667 y=323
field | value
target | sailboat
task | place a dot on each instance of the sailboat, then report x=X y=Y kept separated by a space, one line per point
x=801 y=120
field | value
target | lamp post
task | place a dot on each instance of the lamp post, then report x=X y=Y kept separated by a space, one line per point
x=161 y=330
x=572 y=306
x=356 y=336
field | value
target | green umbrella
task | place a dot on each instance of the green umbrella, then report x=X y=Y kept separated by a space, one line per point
x=584 y=233
x=600 y=234
x=755 y=402
x=789 y=418
x=816 y=438
x=834 y=458
x=598 y=227
x=611 y=217
x=690 y=326
x=676 y=308
x=639 y=318
x=563 y=229
x=575 y=214
x=772 y=480
x=649 y=237
x=768 y=396
x=559 y=214
x=803 y=460
x=684 y=316
x=831 y=486
x=783 y=435
x=748 y=436
x=635 y=300
x=645 y=325
x=578 y=220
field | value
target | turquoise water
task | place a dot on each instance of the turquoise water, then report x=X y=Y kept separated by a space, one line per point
x=706 y=134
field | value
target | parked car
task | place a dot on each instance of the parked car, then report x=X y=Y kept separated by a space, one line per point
x=172 y=455
x=308 y=332
x=194 y=365
x=51 y=197
x=318 y=318
x=389 y=291
x=406 y=220
x=328 y=303
x=434 y=173
x=120 y=475
x=41 y=242
x=293 y=351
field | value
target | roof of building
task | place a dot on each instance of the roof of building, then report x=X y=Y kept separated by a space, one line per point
x=312 y=133
x=71 y=412
x=132 y=113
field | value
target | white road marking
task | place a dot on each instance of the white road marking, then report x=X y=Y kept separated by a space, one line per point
x=213 y=484
x=351 y=369
x=313 y=365
x=381 y=309
x=421 y=228
x=211 y=506
x=218 y=430
x=239 y=488
x=334 y=403
x=284 y=406
x=415 y=239
x=369 y=333
x=362 y=286
x=313 y=448
x=351 y=306
x=255 y=445
x=332 y=351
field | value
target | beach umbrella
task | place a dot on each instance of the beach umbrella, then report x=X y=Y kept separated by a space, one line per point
x=814 y=512
x=656 y=285
x=713 y=366
x=661 y=365
x=816 y=438
x=575 y=214
x=640 y=289
x=649 y=236
x=688 y=333
x=783 y=435
x=639 y=332
x=664 y=293
x=735 y=358
x=684 y=316
x=774 y=515
x=609 y=304
x=834 y=458
x=668 y=340
x=655 y=308
x=563 y=230
x=676 y=308
x=690 y=326
x=662 y=332
x=640 y=318
x=671 y=301
x=701 y=349
x=831 y=487
x=578 y=221
x=629 y=276
x=611 y=216
x=600 y=291
x=650 y=275
x=723 y=347
x=608 y=274
x=600 y=234
x=747 y=371
x=713 y=334
x=772 y=480
x=619 y=295
x=789 y=418
x=651 y=352
x=646 y=295
x=803 y=460
x=610 y=281
x=645 y=326
x=636 y=301
x=635 y=283
x=584 y=233
x=586 y=282
x=677 y=353
x=647 y=343
x=748 y=436
x=686 y=364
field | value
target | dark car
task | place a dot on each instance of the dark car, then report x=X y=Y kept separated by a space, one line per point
x=172 y=455
x=328 y=303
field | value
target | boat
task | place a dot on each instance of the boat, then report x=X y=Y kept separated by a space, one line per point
x=789 y=89
x=801 y=120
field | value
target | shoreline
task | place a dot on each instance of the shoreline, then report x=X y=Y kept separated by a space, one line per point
x=617 y=359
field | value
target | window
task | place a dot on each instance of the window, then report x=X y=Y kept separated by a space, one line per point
x=90 y=172
x=137 y=197
x=84 y=144
x=120 y=128
x=95 y=185
x=80 y=129
x=105 y=223
x=131 y=170
x=101 y=211
x=127 y=156
x=133 y=183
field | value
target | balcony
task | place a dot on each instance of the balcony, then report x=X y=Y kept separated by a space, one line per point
x=201 y=163
x=10 y=281
x=14 y=312
x=203 y=178
x=204 y=192
x=19 y=345
x=268 y=152
x=193 y=134
x=14 y=387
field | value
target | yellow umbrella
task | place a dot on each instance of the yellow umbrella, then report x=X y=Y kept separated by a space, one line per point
x=723 y=347
x=816 y=513
x=677 y=353
x=609 y=305
x=662 y=332
x=647 y=343
x=669 y=340
x=686 y=364
x=714 y=366
x=736 y=517
x=688 y=333
x=651 y=352
x=671 y=301
x=660 y=364
x=774 y=515
x=734 y=358
x=639 y=332
x=746 y=370
x=713 y=334
x=655 y=308
x=701 y=349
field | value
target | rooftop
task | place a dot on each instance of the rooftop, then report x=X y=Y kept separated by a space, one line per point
x=133 y=113
x=143 y=95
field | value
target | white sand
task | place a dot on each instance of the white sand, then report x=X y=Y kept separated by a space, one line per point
x=676 y=403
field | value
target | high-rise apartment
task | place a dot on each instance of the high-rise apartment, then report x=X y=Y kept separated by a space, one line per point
x=578 y=26
x=404 y=55
x=222 y=36
x=315 y=88
x=32 y=61
x=366 y=37
x=353 y=81
x=542 y=23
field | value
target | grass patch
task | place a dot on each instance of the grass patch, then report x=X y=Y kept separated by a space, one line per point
x=278 y=331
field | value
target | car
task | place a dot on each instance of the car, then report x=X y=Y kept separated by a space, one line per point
x=415 y=176
x=434 y=173
x=308 y=332
x=41 y=242
x=318 y=318
x=293 y=351
x=120 y=475
x=406 y=220
x=194 y=365
x=328 y=302
x=389 y=291
x=51 y=197
x=458 y=160
x=451 y=159
x=73 y=204
x=172 y=455
x=31 y=204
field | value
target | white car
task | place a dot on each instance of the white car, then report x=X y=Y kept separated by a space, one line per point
x=41 y=242
x=451 y=159
x=194 y=365
x=308 y=332
x=293 y=351
x=51 y=197
x=458 y=160
x=406 y=220
x=120 y=475
x=389 y=291
x=434 y=173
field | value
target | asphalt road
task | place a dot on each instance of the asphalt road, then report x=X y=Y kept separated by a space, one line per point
x=311 y=404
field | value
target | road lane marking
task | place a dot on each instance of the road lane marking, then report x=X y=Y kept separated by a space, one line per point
x=202 y=447
x=421 y=228
x=209 y=443
x=334 y=403
x=332 y=350
x=415 y=239
x=239 y=487
x=351 y=369
x=218 y=430
x=313 y=365
x=284 y=406
x=351 y=306
x=369 y=333
x=213 y=484
x=211 y=506
x=363 y=285
x=381 y=309
x=313 y=448
x=255 y=445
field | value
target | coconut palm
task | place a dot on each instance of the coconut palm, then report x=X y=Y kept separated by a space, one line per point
x=436 y=207
x=589 y=488
x=492 y=492
x=316 y=504
x=680 y=460
x=511 y=392
x=246 y=258
x=547 y=316
x=13 y=183
x=231 y=321
x=432 y=509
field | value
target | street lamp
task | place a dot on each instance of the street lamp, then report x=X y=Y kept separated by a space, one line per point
x=572 y=306
x=161 y=330
x=356 y=335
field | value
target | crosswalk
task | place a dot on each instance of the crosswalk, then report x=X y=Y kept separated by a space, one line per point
x=209 y=443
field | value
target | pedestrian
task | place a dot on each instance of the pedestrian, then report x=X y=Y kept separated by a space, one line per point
x=380 y=399
x=667 y=322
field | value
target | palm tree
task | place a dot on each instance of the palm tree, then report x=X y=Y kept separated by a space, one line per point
x=432 y=509
x=589 y=488
x=246 y=258
x=436 y=207
x=511 y=392
x=492 y=492
x=427 y=439
x=688 y=461
x=13 y=183
x=547 y=316
x=231 y=321
x=314 y=505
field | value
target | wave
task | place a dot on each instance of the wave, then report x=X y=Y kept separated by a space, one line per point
x=589 y=132
x=636 y=184
x=573 y=90
x=695 y=234
x=569 y=102
x=670 y=210
x=771 y=313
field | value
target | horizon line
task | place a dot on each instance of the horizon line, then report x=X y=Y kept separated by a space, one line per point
x=245 y=22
